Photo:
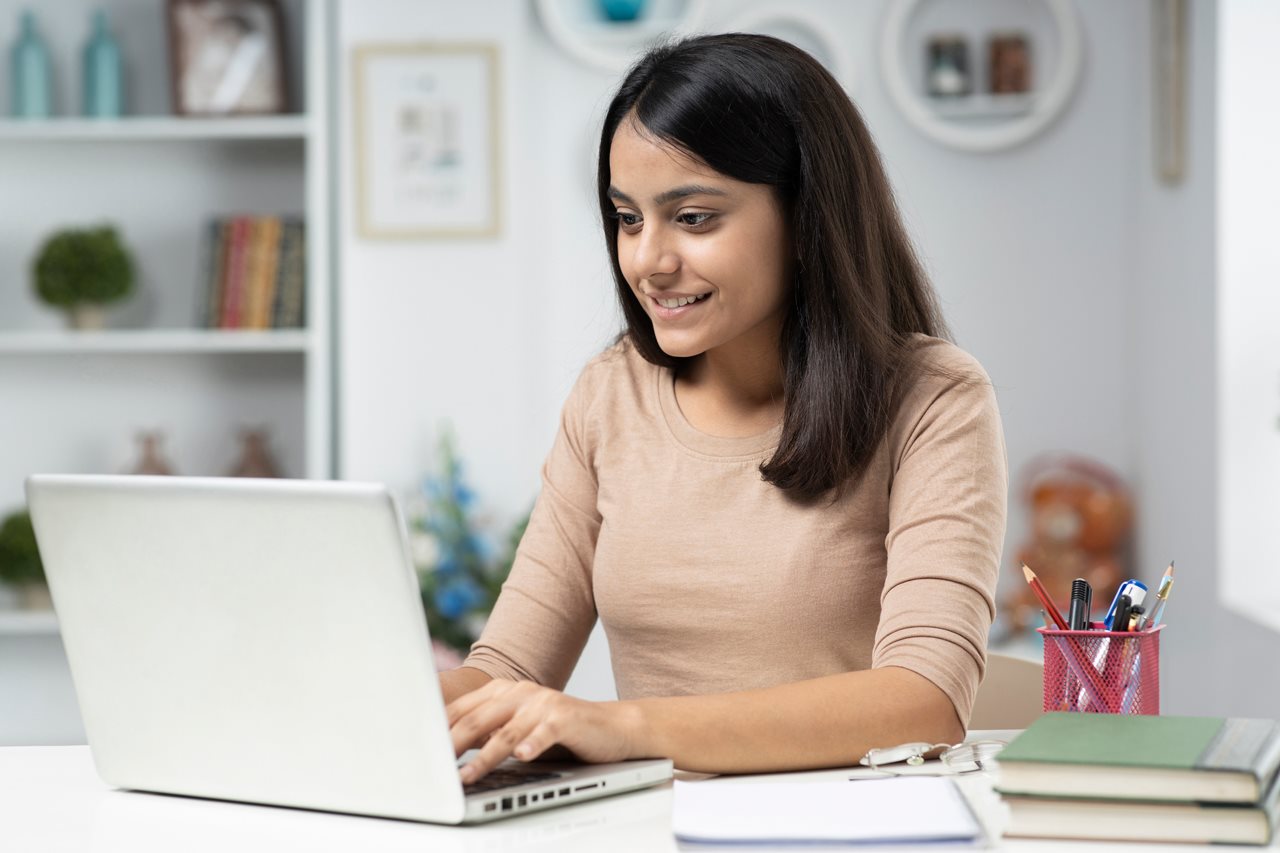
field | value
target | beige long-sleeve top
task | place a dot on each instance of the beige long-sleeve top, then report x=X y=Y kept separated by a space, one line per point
x=709 y=579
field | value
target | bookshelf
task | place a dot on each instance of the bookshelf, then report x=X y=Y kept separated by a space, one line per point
x=74 y=401
x=160 y=178
x=153 y=128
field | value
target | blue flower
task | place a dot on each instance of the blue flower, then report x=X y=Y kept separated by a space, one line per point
x=457 y=597
x=449 y=563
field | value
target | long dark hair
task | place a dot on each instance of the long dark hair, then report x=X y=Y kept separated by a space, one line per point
x=760 y=110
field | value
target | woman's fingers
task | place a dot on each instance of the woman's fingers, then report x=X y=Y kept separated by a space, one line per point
x=500 y=746
x=481 y=722
x=467 y=702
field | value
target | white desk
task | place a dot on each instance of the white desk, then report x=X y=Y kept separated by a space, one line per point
x=51 y=800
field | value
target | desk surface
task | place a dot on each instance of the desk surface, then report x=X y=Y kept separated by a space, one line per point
x=52 y=800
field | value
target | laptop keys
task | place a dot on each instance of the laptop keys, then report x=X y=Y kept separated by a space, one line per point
x=505 y=777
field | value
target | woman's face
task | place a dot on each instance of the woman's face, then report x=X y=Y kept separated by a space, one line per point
x=687 y=234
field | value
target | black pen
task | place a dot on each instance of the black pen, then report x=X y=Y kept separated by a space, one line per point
x=1120 y=621
x=1081 y=593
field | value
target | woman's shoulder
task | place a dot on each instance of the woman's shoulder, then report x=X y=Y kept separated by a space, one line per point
x=618 y=375
x=941 y=362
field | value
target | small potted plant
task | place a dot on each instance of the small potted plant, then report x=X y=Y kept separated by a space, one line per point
x=83 y=270
x=20 y=565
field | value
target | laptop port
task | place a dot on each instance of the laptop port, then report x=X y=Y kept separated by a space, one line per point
x=548 y=795
x=564 y=792
x=587 y=787
x=533 y=798
x=506 y=804
x=522 y=801
x=489 y=807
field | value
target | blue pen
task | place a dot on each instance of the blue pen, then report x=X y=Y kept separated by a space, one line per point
x=1135 y=589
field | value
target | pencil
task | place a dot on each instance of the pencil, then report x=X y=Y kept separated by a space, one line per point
x=1043 y=595
x=1162 y=595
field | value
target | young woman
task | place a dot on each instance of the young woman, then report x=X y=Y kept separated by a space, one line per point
x=781 y=490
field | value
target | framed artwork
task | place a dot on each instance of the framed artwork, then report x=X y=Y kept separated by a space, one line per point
x=227 y=57
x=426 y=140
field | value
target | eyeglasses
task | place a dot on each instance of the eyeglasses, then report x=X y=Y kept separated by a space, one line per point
x=954 y=757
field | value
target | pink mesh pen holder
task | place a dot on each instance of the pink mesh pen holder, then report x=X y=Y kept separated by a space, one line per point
x=1102 y=672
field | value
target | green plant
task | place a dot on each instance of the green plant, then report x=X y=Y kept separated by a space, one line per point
x=460 y=571
x=19 y=556
x=83 y=265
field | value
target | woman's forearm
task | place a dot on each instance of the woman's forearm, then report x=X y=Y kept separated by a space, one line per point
x=460 y=681
x=823 y=722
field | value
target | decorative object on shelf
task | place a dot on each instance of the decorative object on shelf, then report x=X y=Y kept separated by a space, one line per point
x=1170 y=75
x=254 y=273
x=460 y=571
x=806 y=31
x=150 y=460
x=20 y=565
x=1081 y=513
x=1008 y=63
x=103 y=73
x=579 y=28
x=255 y=455
x=228 y=57
x=427 y=134
x=947 y=72
x=622 y=10
x=984 y=120
x=83 y=270
x=31 y=78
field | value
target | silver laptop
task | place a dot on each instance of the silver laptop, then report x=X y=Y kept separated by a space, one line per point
x=264 y=641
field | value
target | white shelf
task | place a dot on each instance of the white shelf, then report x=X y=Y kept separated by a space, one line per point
x=154 y=128
x=148 y=341
x=982 y=106
x=27 y=622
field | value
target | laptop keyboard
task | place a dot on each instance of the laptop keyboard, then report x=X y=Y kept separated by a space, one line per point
x=507 y=777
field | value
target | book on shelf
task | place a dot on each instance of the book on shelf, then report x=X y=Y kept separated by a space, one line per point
x=254 y=273
x=1140 y=757
x=1136 y=820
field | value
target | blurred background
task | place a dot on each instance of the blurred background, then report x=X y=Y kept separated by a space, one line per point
x=359 y=240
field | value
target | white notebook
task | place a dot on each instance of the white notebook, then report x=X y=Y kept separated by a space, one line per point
x=918 y=809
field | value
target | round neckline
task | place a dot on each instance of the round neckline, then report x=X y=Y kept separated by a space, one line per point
x=687 y=434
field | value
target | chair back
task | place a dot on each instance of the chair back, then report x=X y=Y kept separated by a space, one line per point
x=1011 y=695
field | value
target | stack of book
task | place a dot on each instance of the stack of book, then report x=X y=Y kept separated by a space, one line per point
x=255 y=273
x=1123 y=777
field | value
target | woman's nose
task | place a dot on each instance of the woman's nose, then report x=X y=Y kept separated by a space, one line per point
x=654 y=254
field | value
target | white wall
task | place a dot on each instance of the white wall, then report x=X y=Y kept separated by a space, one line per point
x=1060 y=265
x=1248 y=304
x=1176 y=355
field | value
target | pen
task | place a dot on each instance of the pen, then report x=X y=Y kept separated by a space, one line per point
x=1135 y=589
x=1120 y=613
x=1081 y=593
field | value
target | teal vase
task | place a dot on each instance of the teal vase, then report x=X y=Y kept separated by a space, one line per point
x=31 y=77
x=103 y=72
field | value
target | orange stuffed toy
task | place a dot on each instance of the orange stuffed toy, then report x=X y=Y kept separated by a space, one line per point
x=1081 y=517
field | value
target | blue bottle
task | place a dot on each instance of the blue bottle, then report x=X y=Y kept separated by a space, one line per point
x=619 y=11
x=31 y=76
x=103 y=75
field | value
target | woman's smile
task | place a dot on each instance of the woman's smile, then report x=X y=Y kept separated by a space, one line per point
x=675 y=307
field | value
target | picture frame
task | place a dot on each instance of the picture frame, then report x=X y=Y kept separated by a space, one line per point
x=227 y=57
x=427 y=124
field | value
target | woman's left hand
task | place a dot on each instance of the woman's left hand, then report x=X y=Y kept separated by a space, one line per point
x=524 y=719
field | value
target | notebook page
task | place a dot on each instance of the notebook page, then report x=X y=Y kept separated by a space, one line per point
x=880 y=810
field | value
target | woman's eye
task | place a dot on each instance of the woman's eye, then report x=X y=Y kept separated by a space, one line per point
x=627 y=219
x=694 y=219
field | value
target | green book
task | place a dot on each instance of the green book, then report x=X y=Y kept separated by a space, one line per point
x=1131 y=757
